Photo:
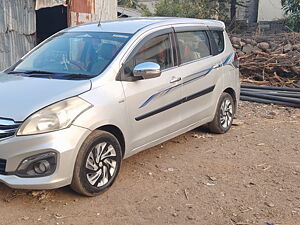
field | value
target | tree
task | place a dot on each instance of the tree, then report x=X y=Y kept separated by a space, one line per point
x=233 y=10
x=215 y=9
x=292 y=11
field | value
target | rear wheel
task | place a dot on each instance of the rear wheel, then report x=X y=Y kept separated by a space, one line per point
x=97 y=164
x=224 y=115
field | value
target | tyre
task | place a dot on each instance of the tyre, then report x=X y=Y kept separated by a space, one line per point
x=97 y=165
x=224 y=115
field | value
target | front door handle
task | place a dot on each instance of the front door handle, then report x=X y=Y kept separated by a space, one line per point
x=175 y=79
x=217 y=66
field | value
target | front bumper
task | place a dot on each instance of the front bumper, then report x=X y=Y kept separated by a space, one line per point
x=66 y=143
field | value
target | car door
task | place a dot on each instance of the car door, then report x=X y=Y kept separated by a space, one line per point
x=151 y=102
x=198 y=69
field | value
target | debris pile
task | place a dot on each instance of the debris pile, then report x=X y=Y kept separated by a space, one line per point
x=269 y=60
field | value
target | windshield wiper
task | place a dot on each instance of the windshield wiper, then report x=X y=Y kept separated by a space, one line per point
x=15 y=72
x=46 y=74
x=30 y=72
x=78 y=75
x=38 y=72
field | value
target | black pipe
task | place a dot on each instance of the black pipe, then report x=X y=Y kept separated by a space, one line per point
x=269 y=91
x=270 y=88
x=270 y=97
x=266 y=101
x=288 y=95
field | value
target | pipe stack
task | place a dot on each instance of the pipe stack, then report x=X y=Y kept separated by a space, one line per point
x=271 y=95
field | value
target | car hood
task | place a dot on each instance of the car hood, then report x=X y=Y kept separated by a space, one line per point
x=22 y=96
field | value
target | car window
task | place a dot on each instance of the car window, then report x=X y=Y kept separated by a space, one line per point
x=219 y=40
x=157 y=50
x=193 y=45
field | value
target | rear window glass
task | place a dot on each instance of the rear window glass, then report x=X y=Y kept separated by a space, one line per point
x=219 y=40
x=193 y=45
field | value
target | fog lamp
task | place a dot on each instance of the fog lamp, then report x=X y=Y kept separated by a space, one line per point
x=41 y=167
x=38 y=165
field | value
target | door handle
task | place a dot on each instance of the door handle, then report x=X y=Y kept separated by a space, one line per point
x=217 y=66
x=175 y=79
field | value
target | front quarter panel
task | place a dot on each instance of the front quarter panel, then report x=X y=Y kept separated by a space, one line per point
x=108 y=108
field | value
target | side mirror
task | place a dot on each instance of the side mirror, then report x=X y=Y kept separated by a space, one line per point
x=147 y=70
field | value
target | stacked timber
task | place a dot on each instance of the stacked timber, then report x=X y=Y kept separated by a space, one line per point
x=269 y=60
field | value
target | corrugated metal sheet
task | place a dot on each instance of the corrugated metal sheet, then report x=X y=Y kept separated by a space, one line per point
x=49 y=3
x=13 y=46
x=87 y=6
x=129 y=12
x=17 y=30
x=17 y=15
x=91 y=10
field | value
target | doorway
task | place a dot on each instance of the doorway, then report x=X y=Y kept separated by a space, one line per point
x=49 y=21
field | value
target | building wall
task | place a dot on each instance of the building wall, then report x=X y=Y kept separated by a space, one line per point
x=248 y=11
x=91 y=10
x=17 y=30
x=263 y=10
x=270 y=10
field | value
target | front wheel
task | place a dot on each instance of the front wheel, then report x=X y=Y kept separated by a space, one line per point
x=97 y=164
x=224 y=115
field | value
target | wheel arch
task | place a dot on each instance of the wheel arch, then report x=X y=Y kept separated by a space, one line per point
x=232 y=93
x=116 y=131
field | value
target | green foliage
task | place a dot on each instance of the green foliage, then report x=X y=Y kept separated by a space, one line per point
x=193 y=8
x=292 y=11
x=291 y=6
x=145 y=10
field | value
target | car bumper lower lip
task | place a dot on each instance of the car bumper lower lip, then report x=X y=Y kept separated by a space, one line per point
x=40 y=183
x=66 y=143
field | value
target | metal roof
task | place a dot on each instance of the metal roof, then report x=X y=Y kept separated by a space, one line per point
x=130 y=12
x=132 y=25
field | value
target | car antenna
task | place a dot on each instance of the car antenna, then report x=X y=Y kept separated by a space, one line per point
x=101 y=12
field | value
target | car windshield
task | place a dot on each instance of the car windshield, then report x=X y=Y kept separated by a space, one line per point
x=71 y=55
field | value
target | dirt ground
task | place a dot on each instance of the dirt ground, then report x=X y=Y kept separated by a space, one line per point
x=250 y=175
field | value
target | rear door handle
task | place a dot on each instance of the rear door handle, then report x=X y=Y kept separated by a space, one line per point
x=175 y=79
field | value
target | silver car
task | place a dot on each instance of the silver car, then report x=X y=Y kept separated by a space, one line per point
x=92 y=95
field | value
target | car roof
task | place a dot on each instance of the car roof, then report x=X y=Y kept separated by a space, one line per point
x=134 y=24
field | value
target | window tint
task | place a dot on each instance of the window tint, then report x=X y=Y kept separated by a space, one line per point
x=157 y=50
x=193 y=45
x=219 y=39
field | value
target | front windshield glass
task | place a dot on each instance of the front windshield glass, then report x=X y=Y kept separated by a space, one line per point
x=87 y=53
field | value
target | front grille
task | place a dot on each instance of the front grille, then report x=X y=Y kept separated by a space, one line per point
x=8 y=128
x=2 y=166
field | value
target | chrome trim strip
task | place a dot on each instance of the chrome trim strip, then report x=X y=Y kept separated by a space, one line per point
x=7 y=131
x=8 y=128
x=6 y=122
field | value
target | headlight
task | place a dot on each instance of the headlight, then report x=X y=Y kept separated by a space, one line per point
x=54 y=117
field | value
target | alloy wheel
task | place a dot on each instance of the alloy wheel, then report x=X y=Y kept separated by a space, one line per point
x=101 y=164
x=226 y=113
